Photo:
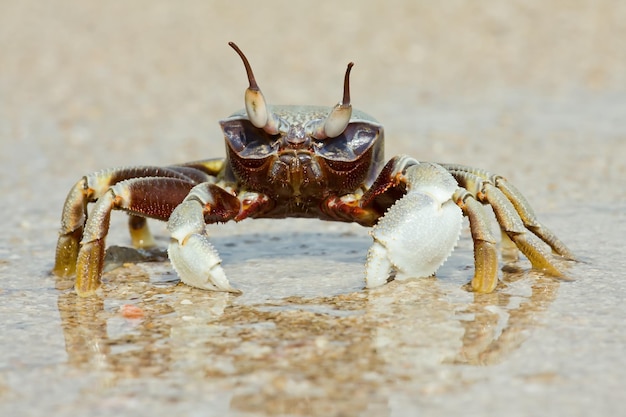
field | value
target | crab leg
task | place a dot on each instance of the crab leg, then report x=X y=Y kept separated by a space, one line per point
x=514 y=216
x=473 y=180
x=72 y=224
x=194 y=258
x=91 y=187
x=485 y=251
x=150 y=197
x=512 y=224
x=386 y=189
x=390 y=177
x=530 y=220
x=140 y=234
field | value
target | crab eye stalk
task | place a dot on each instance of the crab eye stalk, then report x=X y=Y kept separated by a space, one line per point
x=256 y=107
x=339 y=117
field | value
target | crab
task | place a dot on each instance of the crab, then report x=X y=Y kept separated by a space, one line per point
x=304 y=161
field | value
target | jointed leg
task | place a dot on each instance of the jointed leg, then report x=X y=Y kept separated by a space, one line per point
x=72 y=225
x=150 y=197
x=512 y=224
x=194 y=258
x=473 y=180
x=140 y=234
x=514 y=214
x=530 y=220
x=485 y=252
x=91 y=187
x=385 y=191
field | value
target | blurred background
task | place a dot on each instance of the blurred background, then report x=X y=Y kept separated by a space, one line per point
x=509 y=86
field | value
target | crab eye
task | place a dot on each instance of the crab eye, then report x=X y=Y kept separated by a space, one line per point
x=248 y=141
x=355 y=140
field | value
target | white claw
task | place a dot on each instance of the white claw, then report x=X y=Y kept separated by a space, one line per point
x=194 y=258
x=419 y=232
x=198 y=264
x=378 y=266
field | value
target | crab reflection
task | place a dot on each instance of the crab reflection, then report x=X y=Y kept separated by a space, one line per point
x=499 y=323
x=298 y=355
x=302 y=356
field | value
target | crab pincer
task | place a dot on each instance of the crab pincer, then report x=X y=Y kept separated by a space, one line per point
x=418 y=233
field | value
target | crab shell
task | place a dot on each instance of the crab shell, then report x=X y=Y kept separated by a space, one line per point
x=295 y=165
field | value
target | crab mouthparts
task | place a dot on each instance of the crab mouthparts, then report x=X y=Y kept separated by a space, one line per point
x=297 y=169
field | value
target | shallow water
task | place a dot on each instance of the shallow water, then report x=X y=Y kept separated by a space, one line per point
x=305 y=338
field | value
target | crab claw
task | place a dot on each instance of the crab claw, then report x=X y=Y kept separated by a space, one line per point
x=194 y=258
x=418 y=233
